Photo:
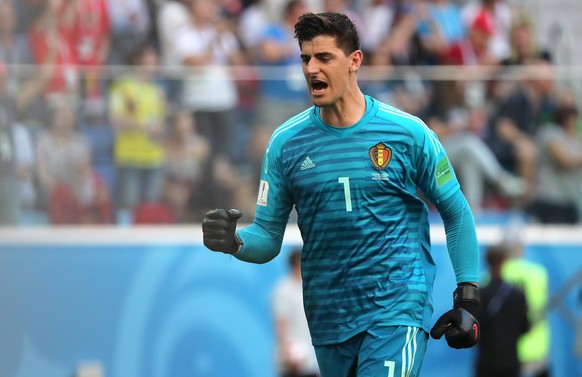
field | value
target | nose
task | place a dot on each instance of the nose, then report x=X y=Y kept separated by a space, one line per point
x=312 y=66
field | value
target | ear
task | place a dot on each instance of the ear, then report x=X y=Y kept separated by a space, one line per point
x=356 y=60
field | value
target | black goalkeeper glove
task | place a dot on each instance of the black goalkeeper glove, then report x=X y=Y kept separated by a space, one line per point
x=459 y=325
x=219 y=230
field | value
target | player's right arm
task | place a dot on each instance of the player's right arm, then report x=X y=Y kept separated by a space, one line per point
x=257 y=243
x=261 y=241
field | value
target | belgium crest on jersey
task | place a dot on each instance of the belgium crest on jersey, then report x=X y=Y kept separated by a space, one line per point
x=380 y=155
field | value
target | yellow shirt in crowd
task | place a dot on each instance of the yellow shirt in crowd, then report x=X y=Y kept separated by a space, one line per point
x=143 y=103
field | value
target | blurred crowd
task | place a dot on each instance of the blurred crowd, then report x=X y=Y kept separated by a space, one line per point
x=155 y=111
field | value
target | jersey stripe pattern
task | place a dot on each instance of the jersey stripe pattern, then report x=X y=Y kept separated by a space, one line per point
x=366 y=253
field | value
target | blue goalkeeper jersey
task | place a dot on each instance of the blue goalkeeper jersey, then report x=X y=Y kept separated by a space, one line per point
x=366 y=255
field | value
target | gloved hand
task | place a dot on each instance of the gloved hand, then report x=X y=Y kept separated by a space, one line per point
x=459 y=325
x=219 y=230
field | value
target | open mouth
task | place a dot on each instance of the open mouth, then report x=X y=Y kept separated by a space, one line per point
x=318 y=87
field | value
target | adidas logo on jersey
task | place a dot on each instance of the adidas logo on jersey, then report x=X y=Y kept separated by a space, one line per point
x=307 y=164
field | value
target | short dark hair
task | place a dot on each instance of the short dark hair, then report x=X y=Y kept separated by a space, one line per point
x=138 y=51
x=496 y=255
x=337 y=25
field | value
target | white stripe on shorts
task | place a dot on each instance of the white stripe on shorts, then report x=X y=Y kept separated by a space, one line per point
x=409 y=351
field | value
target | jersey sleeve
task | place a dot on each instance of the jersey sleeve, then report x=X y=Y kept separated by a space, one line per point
x=263 y=238
x=436 y=178
x=434 y=173
x=462 y=243
x=274 y=200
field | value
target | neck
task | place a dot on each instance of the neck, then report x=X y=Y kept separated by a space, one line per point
x=345 y=112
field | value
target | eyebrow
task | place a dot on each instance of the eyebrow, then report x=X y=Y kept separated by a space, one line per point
x=319 y=55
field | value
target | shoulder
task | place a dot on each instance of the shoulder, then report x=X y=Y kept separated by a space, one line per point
x=525 y=268
x=290 y=128
x=397 y=118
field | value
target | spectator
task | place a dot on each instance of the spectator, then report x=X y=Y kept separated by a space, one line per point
x=25 y=83
x=558 y=188
x=459 y=127
x=532 y=279
x=515 y=123
x=377 y=20
x=295 y=354
x=440 y=24
x=86 y=22
x=207 y=49
x=474 y=48
x=275 y=8
x=345 y=7
x=74 y=193
x=9 y=208
x=131 y=25
x=282 y=91
x=187 y=155
x=502 y=15
x=523 y=42
x=100 y=136
x=14 y=49
x=398 y=47
x=20 y=8
x=173 y=18
x=51 y=50
x=25 y=160
x=473 y=53
x=17 y=189
x=503 y=318
x=137 y=111
x=253 y=20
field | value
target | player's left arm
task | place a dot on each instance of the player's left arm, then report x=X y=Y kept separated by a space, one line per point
x=437 y=179
x=459 y=325
x=461 y=237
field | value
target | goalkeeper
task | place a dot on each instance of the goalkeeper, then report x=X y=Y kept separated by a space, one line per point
x=351 y=165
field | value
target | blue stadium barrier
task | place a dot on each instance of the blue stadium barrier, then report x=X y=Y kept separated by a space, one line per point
x=152 y=301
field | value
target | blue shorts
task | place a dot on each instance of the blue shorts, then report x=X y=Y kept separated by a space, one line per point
x=383 y=351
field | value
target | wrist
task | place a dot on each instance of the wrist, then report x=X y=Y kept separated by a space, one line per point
x=238 y=244
x=467 y=296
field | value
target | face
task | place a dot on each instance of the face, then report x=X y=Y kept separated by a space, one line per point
x=480 y=39
x=63 y=119
x=522 y=40
x=184 y=125
x=205 y=11
x=327 y=70
x=147 y=62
